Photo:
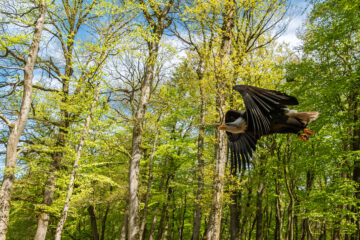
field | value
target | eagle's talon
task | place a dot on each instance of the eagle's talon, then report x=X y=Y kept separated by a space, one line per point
x=308 y=131
x=304 y=137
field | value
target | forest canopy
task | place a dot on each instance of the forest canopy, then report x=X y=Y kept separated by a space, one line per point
x=109 y=115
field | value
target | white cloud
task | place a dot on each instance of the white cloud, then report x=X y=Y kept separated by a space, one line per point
x=296 y=18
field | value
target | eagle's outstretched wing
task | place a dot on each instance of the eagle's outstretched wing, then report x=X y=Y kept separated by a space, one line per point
x=259 y=103
x=240 y=146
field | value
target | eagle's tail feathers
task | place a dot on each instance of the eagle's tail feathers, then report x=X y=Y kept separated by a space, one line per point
x=306 y=117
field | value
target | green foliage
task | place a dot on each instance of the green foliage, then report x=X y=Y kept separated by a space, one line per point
x=311 y=187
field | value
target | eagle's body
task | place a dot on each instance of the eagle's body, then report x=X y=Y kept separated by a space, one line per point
x=265 y=114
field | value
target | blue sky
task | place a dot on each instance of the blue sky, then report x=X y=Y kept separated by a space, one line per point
x=297 y=16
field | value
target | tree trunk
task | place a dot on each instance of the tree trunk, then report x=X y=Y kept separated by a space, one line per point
x=133 y=225
x=66 y=207
x=17 y=128
x=200 y=158
x=103 y=224
x=278 y=216
x=164 y=182
x=290 y=227
x=182 y=220
x=259 y=213
x=153 y=48
x=124 y=227
x=164 y=220
x=234 y=215
x=95 y=233
x=44 y=217
x=153 y=224
x=147 y=196
x=213 y=232
x=306 y=234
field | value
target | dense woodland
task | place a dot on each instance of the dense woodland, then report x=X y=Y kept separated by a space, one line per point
x=109 y=112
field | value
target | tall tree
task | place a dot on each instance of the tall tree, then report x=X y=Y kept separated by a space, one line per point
x=17 y=127
x=81 y=58
x=109 y=36
x=331 y=47
x=157 y=17
x=223 y=61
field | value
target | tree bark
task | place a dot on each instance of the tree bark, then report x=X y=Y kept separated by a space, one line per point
x=103 y=224
x=259 y=213
x=57 y=156
x=153 y=48
x=124 y=227
x=153 y=224
x=200 y=158
x=17 y=128
x=278 y=216
x=182 y=220
x=164 y=182
x=164 y=220
x=95 y=233
x=213 y=232
x=289 y=186
x=234 y=215
x=306 y=234
x=49 y=189
x=66 y=207
x=147 y=196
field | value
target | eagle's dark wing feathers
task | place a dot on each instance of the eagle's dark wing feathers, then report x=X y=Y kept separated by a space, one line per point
x=240 y=146
x=259 y=103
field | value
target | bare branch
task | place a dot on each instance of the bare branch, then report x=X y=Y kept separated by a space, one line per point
x=16 y=68
x=44 y=89
x=6 y=120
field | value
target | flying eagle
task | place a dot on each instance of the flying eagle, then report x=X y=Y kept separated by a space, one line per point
x=265 y=114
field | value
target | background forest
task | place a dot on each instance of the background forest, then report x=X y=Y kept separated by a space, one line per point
x=109 y=112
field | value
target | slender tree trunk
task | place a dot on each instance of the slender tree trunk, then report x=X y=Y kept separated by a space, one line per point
x=336 y=233
x=49 y=189
x=94 y=230
x=234 y=215
x=290 y=227
x=164 y=182
x=147 y=196
x=158 y=27
x=182 y=220
x=103 y=223
x=259 y=213
x=44 y=216
x=124 y=227
x=213 y=231
x=278 y=216
x=66 y=207
x=165 y=227
x=306 y=234
x=200 y=158
x=259 y=201
x=17 y=128
x=164 y=220
x=153 y=224
x=136 y=154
